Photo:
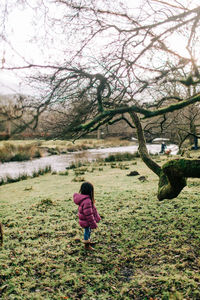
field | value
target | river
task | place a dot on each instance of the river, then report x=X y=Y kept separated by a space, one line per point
x=61 y=162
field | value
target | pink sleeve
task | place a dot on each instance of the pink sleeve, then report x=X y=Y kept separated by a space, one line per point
x=96 y=215
x=89 y=214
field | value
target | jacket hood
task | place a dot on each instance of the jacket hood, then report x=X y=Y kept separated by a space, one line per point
x=78 y=198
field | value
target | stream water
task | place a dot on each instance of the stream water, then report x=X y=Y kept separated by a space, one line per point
x=60 y=162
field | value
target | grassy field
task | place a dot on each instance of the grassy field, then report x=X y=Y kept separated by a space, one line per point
x=146 y=249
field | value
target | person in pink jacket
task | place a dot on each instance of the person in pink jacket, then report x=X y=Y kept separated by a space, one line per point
x=87 y=212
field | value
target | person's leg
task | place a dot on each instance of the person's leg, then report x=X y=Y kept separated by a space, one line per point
x=87 y=233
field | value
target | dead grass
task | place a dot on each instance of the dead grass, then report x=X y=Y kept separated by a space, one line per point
x=18 y=152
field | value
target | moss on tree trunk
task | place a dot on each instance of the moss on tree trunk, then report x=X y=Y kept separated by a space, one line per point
x=173 y=174
x=173 y=177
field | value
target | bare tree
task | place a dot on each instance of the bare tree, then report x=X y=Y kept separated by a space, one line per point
x=118 y=59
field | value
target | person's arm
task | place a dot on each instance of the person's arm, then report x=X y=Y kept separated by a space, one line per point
x=96 y=214
x=88 y=212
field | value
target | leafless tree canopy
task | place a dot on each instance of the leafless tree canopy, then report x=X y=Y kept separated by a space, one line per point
x=111 y=58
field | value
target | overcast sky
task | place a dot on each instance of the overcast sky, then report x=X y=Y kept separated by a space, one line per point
x=24 y=24
x=21 y=28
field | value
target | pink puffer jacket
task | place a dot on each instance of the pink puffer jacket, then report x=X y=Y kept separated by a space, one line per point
x=87 y=212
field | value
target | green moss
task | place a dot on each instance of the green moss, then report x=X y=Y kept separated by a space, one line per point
x=173 y=177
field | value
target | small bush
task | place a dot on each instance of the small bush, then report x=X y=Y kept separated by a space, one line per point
x=44 y=170
x=79 y=172
x=23 y=177
x=4 y=156
x=37 y=154
x=74 y=165
x=47 y=169
x=35 y=174
x=65 y=173
x=121 y=157
x=123 y=167
x=113 y=166
x=71 y=149
x=46 y=201
x=21 y=157
x=54 y=151
x=110 y=158
x=78 y=179
x=53 y=173
x=12 y=180
x=10 y=152
x=44 y=204
x=2 y=181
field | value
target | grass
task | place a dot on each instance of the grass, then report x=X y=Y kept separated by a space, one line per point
x=18 y=152
x=147 y=249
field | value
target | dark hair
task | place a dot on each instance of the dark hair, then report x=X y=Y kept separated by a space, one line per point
x=87 y=189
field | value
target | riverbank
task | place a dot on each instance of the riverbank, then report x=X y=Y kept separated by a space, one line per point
x=21 y=150
x=60 y=162
x=146 y=249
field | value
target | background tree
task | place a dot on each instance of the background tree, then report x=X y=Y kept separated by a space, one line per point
x=118 y=59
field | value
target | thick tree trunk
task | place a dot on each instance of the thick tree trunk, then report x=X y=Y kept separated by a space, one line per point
x=173 y=174
x=173 y=177
x=142 y=146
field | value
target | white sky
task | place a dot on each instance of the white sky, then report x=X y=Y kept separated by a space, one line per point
x=21 y=29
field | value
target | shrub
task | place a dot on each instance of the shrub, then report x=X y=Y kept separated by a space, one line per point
x=10 y=152
x=65 y=173
x=21 y=156
x=74 y=165
x=121 y=157
x=44 y=170
x=37 y=154
x=12 y=180
x=2 y=181
x=78 y=179
x=123 y=167
x=46 y=201
x=35 y=174
x=23 y=177
x=47 y=169
x=79 y=172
